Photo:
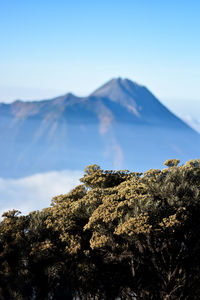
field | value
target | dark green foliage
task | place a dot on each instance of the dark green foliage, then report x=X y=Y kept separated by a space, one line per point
x=118 y=234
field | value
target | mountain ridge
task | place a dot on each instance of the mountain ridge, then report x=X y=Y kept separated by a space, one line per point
x=119 y=125
x=114 y=85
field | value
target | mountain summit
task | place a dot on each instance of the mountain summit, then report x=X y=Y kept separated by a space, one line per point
x=138 y=100
x=117 y=87
x=120 y=125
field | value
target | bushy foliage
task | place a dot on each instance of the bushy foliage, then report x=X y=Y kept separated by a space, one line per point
x=118 y=234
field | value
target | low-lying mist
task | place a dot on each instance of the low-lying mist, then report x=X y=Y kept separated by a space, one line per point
x=36 y=191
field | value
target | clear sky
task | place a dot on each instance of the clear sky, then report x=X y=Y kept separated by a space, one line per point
x=49 y=47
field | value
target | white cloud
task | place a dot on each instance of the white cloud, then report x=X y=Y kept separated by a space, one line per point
x=36 y=191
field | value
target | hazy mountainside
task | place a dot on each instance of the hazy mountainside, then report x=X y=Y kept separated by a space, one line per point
x=192 y=122
x=120 y=125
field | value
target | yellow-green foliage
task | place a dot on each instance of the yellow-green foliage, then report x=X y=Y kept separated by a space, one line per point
x=116 y=233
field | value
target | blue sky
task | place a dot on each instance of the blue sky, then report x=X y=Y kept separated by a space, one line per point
x=52 y=47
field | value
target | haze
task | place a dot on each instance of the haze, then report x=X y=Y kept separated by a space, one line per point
x=49 y=48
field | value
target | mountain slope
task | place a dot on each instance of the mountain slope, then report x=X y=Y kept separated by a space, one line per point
x=120 y=125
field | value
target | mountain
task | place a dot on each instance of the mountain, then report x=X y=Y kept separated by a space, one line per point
x=192 y=122
x=120 y=125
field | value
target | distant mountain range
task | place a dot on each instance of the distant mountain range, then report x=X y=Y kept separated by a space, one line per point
x=120 y=125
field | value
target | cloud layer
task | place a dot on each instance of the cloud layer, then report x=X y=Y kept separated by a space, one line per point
x=36 y=191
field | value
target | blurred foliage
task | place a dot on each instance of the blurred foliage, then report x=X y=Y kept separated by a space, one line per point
x=119 y=234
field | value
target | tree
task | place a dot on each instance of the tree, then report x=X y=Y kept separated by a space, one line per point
x=118 y=234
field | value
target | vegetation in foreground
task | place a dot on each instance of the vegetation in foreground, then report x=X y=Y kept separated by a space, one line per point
x=119 y=234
